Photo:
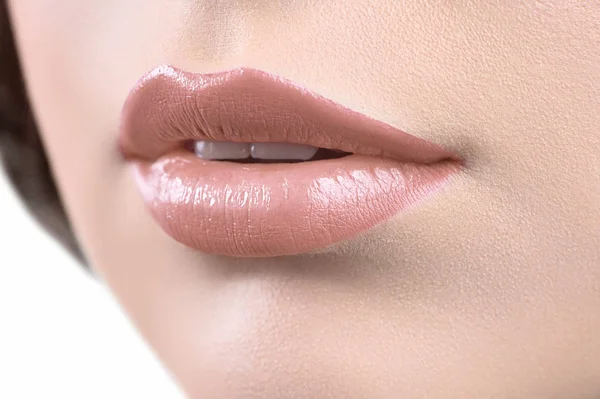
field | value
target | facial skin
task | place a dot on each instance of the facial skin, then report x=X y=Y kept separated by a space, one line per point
x=489 y=290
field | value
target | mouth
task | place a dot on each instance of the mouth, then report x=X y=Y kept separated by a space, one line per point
x=244 y=163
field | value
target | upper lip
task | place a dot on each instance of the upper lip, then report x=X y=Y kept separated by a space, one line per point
x=169 y=107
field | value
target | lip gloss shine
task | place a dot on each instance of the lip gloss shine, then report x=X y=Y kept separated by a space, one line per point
x=259 y=210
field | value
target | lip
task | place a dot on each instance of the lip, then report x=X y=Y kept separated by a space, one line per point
x=261 y=210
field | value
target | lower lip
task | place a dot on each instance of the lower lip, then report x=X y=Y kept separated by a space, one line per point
x=262 y=210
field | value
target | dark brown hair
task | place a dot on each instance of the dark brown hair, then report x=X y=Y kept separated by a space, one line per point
x=21 y=149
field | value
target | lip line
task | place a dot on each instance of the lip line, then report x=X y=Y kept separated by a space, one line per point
x=265 y=210
x=370 y=138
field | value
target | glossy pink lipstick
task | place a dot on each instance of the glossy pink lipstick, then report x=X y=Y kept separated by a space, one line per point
x=271 y=209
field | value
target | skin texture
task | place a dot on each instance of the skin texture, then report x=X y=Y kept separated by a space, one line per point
x=489 y=290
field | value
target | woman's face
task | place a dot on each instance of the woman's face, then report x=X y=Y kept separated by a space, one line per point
x=489 y=288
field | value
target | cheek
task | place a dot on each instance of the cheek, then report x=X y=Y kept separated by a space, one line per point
x=80 y=60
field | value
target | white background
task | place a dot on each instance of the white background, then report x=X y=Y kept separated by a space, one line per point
x=61 y=333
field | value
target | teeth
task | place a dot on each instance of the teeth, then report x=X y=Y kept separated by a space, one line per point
x=283 y=151
x=221 y=150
